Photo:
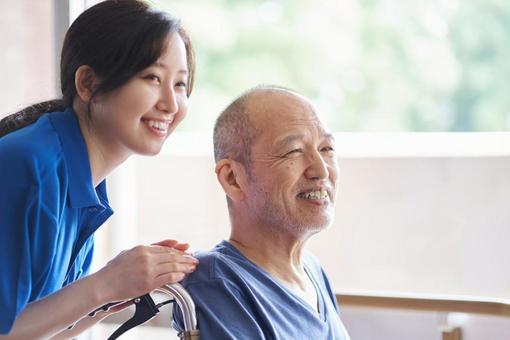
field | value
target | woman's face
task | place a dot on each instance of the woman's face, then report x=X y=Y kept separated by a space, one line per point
x=137 y=117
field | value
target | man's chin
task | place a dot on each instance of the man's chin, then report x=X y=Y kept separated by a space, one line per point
x=319 y=221
x=314 y=226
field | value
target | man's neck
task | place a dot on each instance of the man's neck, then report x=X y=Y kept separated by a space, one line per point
x=278 y=254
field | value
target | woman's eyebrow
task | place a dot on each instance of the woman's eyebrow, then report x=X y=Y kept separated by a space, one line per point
x=161 y=64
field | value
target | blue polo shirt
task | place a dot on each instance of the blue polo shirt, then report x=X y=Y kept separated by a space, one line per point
x=49 y=211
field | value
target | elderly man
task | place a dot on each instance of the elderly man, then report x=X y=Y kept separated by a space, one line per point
x=276 y=163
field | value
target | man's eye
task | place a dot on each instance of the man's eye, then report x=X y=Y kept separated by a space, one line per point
x=293 y=152
x=328 y=149
x=181 y=84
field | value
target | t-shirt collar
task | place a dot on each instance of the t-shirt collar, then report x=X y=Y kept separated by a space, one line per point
x=81 y=188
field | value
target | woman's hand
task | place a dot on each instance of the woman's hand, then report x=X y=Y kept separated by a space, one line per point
x=142 y=269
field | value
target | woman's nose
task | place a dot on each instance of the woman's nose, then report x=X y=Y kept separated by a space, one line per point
x=168 y=102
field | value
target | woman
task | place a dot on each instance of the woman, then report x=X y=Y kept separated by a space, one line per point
x=126 y=74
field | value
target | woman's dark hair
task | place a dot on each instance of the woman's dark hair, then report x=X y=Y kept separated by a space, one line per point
x=117 y=39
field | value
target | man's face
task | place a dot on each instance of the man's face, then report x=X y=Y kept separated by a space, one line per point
x=293 y=172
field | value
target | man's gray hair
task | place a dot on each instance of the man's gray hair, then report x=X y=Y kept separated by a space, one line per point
x=234 y=133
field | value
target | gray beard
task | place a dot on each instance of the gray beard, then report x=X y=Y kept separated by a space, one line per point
x=282 y=224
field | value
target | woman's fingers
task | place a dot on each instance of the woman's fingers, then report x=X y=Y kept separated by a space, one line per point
x=141 y=269
x=157 y=261
x=166 y=243
x=175 y=257
x=175 y=264
x=182 y=246
x=169 y=278
x=163 y=249
x=175 y=267
x=173 y=244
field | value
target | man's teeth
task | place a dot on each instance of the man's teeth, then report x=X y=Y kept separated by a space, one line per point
x=316 y=195
x=158 y=125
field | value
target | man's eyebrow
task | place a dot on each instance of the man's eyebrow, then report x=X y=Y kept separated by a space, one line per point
x=289 y=139
x=292 y=138
x=329 y=136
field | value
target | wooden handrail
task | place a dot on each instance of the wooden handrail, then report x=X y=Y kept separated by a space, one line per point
x=416 y=302
x=498 y=307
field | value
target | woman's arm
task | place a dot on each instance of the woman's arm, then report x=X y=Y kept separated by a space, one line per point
x=132 y=273
x=48 y=316
x=87 y=321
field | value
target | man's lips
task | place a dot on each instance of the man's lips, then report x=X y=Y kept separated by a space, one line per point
x=316 y=193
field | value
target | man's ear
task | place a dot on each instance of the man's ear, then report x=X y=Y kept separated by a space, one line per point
x=231 y=176
x=86 y=82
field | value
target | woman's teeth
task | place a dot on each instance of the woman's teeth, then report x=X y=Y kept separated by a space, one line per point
x=315 y=195
x=158 y=125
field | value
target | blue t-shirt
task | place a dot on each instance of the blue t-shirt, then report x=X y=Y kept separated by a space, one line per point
x=236 y=299
x=49 y=210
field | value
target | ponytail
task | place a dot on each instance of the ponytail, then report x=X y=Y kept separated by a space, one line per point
x=29 y=115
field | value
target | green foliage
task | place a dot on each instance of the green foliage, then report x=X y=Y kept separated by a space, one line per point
x=371 y=65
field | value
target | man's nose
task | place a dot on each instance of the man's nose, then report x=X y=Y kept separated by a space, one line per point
x=167 y=102
x=318 y=167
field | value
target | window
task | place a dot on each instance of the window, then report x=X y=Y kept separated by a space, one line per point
x=371 y=65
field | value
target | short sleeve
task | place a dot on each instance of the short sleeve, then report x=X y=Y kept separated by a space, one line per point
x=222 y=312
x=26 y=248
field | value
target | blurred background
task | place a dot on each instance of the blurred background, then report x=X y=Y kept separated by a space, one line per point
x=369 y=65
x=417 y=94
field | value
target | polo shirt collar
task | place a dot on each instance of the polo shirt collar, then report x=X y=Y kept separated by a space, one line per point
x=81 y=188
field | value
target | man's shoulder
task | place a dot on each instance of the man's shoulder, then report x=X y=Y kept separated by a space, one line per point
x=220 y=263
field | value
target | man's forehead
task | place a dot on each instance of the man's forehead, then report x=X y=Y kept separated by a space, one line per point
x=284 y=116
x=276 y=106
x=268 y=98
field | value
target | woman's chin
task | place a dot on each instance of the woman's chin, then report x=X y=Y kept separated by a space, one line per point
x=150 y=150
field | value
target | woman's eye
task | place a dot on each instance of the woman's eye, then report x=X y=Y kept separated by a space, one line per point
x=181 y=84
x=328 y=149
x=154 y=78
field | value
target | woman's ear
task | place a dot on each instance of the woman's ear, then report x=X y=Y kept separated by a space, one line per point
x=231 y=176
x=86 y=82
